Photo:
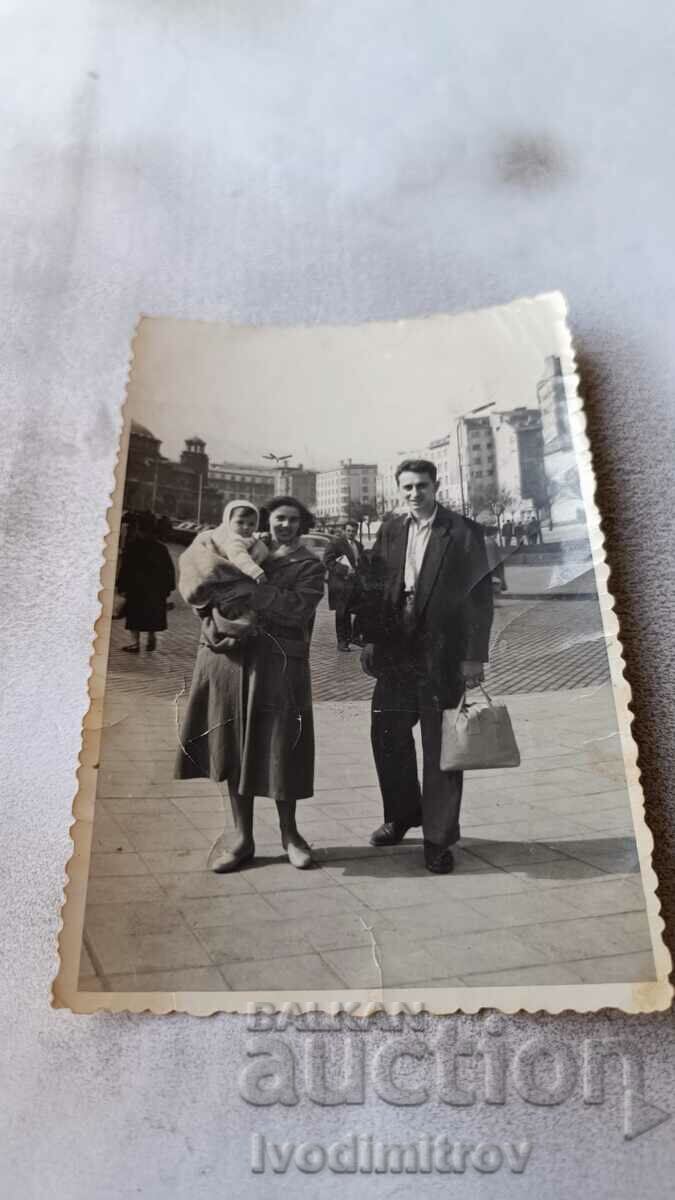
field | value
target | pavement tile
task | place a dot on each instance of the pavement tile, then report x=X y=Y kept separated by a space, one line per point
x=315 y=829
x=244 y=940
x=301 y=972
x=587 y=937
x=610 y=821
x=171 y=838
x=189 y=979
x=465 y=953
x=392 y=961
x=139 y=807
x=617 y=968
x=523 y=908
x=212 y=823
x=197 y=885
x=606 y=896
x=133 y=917
x=123 y=889
x=116 y=863
x=507 y=854
x=282 y=877
x=107 y=836
x=199 y=804
x=225 y=910
x=433 y=920
x=370 y=867
x=556 y=874
x=314 y=902
x=121 y=952
x=613 y=855
x=388 y=894
x=134 y=823
x=550 y=974
x=341 y=930
x=165 y=862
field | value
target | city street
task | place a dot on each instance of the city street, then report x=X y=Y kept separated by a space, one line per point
x=546 y=888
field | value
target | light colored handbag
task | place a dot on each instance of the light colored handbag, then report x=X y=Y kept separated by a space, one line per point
x=477 y=735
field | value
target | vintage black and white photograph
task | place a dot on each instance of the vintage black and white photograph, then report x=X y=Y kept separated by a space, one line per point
x=359 y=724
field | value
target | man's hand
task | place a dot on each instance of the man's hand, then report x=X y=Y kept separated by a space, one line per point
x=472 y=673
x=367 y=659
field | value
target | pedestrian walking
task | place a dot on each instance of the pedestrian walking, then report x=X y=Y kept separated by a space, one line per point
x=507 y=533
x=533 y=531
x=146 y=580
x=248 y=721
x=342 y=560
x=428 y=634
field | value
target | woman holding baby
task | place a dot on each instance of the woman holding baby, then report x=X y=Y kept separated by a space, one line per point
x=248 y=720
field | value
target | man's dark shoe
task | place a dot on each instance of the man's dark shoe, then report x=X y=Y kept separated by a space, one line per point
x=438 y=859
x=389 y=834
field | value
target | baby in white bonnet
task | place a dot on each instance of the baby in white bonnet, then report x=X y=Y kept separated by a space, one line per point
x=236 y=538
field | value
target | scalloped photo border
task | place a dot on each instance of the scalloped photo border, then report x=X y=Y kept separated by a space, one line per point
x=629 y=997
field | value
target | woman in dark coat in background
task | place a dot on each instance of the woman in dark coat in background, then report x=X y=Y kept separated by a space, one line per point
x=146 y=580
x=249 y=718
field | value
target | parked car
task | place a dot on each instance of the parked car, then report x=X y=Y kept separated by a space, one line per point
x=318 y=543
x=184 y=532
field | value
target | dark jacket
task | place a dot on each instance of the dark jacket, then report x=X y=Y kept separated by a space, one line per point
x=343 y=588
x=146 y=578
x=453 y=602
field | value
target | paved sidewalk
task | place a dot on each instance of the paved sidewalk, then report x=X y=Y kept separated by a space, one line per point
x=546 y=888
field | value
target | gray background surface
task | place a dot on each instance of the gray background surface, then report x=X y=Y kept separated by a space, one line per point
x=281 y=162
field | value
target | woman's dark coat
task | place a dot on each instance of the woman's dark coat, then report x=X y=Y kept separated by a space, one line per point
x=146 y=579
x=248 y=718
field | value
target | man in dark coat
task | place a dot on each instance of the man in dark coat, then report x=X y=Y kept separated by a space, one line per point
x=428 y=634
x=342 y=560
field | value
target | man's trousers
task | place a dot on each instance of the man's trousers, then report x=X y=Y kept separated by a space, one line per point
x=401 y=700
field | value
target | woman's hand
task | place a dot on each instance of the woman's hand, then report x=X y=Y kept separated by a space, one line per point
x=472 y=673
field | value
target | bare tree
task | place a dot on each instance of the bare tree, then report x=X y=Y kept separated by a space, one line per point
x=495 y=499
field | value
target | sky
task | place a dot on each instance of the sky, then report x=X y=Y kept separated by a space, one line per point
x=325 y=393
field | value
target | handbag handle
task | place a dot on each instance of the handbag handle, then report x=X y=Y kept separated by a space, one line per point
x=463 y=702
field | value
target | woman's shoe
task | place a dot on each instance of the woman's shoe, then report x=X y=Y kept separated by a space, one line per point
x=134 y=648
x=222 y=859
x=299 y=853
x=152 y=642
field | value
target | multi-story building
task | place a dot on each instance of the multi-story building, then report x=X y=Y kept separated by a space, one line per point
x=476 y=453
x=298 y=482
x=442 y=452
x=247 y=481
x=519 y=452
x=181 y=490
x=347 y=489
x=562 y=475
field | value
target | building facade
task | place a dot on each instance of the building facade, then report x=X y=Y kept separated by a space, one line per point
x=245 y=481
x=347 y=490
x=519 y=452
x=179 y=490
x=298 y=482
x=478 y=467
x=562 y=476
x=442 y=452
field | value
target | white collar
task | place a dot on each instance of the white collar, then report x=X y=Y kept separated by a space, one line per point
x=423 y=522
